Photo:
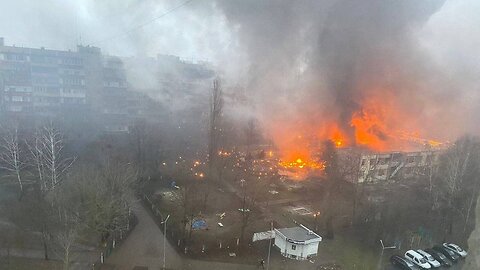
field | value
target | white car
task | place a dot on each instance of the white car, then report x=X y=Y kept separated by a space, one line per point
x=455 y=248
x=417 y=259
x=434 y=263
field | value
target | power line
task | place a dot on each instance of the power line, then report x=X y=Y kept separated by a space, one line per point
x=144 y=24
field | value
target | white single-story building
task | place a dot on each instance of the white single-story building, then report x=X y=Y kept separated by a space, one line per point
x=298 y=243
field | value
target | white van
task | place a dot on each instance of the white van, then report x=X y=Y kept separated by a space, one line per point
x=417 y=259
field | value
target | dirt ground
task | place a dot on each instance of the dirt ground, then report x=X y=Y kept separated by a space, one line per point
x=13 y=263
x=286 y=208
x=290 y=203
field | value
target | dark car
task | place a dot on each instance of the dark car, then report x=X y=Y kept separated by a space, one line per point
x=403 y=263
x=447 y=252
x=439 y=257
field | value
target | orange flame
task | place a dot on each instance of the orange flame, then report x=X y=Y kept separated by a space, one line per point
x=380 y=124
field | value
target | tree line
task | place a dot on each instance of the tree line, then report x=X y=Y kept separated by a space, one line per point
x=64 y=198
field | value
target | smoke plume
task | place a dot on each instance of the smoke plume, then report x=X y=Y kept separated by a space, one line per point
x=357 y=70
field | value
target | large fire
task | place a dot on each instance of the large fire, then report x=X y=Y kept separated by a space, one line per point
x=307 y=160
x=379 y=125
x=383 y=125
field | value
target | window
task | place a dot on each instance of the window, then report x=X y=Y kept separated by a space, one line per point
x=17 y=98
x=294 y=247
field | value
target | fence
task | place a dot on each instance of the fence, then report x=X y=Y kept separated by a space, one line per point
x=174 y=233
x=115 y=240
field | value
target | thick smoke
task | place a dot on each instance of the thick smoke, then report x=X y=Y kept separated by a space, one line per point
x=313 y=62
x=364 y=41
x=413 y=65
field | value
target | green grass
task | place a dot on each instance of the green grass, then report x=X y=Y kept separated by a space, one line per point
x=350 y=254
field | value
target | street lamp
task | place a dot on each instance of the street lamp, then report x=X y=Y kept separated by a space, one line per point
x=270 y=245
x=164 y=222
x=316 y=220
x=381 y=255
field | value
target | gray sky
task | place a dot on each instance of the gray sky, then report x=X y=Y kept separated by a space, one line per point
x=196 y=30
x=296 y=57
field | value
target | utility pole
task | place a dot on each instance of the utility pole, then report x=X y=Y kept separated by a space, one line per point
x=316 y=220
x=270 y=245
x=164 y=222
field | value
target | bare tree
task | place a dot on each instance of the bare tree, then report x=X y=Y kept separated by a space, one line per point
x=459 y=167
x=36 y=153
x=138 y=136
x=47 y=150
x=332 y=184
x=12 y=157
x=66 y=235
x=349 y=171
x=215 y=131
x=50 y=167
x=250 y=191
x=105 y=196
x=66 y=238
x=216 y=110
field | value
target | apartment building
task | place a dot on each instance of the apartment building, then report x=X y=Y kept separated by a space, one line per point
x=41 y=81
x=89 y=84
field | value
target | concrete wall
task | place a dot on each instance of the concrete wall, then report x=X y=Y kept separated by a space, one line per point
x=301 y=251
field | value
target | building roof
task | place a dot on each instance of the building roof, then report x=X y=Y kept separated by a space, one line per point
x=300 y=233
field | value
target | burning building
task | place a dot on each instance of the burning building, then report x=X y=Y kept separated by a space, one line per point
x=397 y=165
x=348 y=71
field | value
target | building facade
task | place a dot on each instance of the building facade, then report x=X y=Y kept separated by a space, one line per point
x=55 y=83
x=41 y=81
x=388 y=166
x=85 y=84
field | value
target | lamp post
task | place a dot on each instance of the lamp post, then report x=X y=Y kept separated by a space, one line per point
x=316 y=220
x=270 y=245
x=381 y=255
x=164 y=222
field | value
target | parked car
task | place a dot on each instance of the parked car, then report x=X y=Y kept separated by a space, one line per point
x=417 y=259
x=439 y=257
x=434 y=263
x=452 y=256
x=403 y=263
x=455 y=248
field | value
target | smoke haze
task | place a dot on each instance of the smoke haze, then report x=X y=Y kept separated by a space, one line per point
x=365 y=71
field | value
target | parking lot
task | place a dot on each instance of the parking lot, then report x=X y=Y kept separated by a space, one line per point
x=456 y=266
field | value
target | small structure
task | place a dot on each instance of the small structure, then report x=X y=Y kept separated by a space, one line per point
x=298 y=243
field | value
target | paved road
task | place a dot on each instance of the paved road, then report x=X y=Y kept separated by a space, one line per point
x=144 y=246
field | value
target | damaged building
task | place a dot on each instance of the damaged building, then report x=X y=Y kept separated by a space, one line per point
x=396 y=165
